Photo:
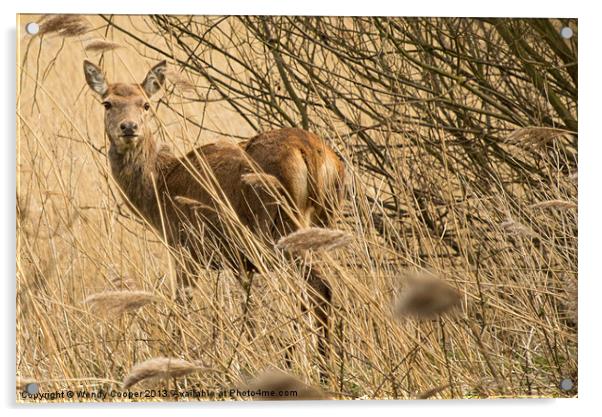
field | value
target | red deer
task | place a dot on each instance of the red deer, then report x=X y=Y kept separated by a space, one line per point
x=173 y=194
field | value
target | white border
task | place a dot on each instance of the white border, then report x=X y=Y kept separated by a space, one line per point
x=590 y=233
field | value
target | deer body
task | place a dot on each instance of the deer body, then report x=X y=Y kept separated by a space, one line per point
x=154 y=180
x=174 y=194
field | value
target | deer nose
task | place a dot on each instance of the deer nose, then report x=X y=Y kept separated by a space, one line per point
x=128 y=128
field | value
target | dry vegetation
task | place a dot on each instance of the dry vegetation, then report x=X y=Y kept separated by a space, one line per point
x=460 y=138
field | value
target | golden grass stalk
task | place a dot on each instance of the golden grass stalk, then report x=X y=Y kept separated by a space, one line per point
x=123 y=283
x=314 y=238
x=277 y=385
x=486 y=353
x=426 y=298
x=22 y=208
x=430 y=392
x=118 y=302
x=66 y=25
x=192 y=204
x=161 y=368
x=515 y=228
x=555 y=204
x=56 y=231
x=100 y=45
x=535 y=135
x=572 y=301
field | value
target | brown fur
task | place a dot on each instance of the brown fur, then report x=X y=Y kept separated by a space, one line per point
x=176 y=195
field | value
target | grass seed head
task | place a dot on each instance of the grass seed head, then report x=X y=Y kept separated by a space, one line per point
x=160 y=368
x=66 y=25
x=118 y=302
x=426 y=298
x=535 y=136
x=515 y=228
x=555 y=204
x=430 y=392
x=276 y=382
x=101 y=45
x=314 y=238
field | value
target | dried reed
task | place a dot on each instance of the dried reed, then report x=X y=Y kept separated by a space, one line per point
x=118 y=302
x=192 y=204
x=425 y=298
x=161 y=368
x=66 y=25
x=274 y=385
x=555 y=204
x=314 y=238
x=515 y=228
x=572 y=293
x=430 y=392
x=535 y=135
x=22 y=209
x=100 y=45
x=123 y=283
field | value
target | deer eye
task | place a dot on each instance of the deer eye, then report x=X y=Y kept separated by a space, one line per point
x=146 y=106
x=107 y=105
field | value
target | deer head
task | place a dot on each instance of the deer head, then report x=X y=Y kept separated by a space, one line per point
x=126 y=105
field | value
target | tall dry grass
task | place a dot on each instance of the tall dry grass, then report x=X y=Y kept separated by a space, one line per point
x=515 y=333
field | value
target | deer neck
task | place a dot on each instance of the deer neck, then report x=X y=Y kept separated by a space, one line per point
x=138 y=171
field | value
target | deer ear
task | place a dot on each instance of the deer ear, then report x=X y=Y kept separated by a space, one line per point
x=95 y=78
x=154 y=79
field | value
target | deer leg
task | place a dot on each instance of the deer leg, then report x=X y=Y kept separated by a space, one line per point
x=247 y=286
x=183 y=295
x=185 y=279
x=320 y=299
